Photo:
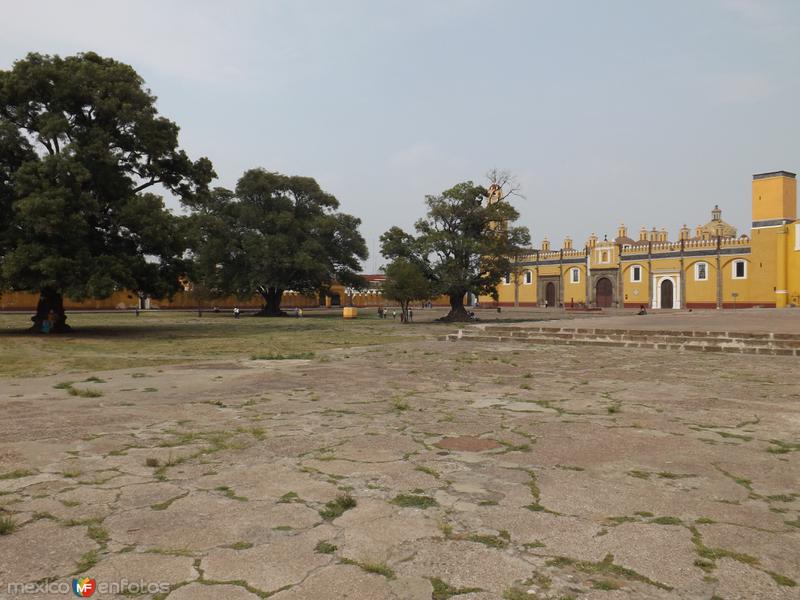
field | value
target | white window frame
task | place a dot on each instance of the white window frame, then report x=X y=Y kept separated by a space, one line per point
x=528 y=278
x=733 y=269
x=574 y=275
x=697 y=271
x=633 y=271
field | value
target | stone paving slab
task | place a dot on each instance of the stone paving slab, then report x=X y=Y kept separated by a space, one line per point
x=577 y=473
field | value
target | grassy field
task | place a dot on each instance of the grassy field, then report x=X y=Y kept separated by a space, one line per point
x=103 y=341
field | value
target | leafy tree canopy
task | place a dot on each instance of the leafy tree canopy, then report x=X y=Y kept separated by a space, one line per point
x=275 y=233
x=406 y=282
x=463 y=244
x=80 y=143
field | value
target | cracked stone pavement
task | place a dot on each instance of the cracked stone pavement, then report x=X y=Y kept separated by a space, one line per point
x=575 y=473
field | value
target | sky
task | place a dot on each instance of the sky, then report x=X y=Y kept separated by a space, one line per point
x=635 y=111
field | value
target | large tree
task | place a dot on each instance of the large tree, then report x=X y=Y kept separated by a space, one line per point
x=275 y=233
x=81 y=143
x=464 y=244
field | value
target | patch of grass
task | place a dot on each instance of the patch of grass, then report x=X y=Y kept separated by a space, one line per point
x=87 y=561
x=240 y=546
x=781 y=498
x=605 y=567
x=7 y=525
x=64 y=385
x=736 y=436
x=17 y=474
x=167 y=503
x=516 y=594
x=290 y=356
x=337 y=507
x=443 y=590
x=669 y=475
x=643 y=513
x=378 y=569
x=72 y=473
x=98 y=533
x=666 y=521
x=70 y=503
x=492 y=541
x=613 y=409
x=782 y=579
x=85 y=392
x=229 y=493
x=151 y=462
x=94 y=379
x=289 y=497
x=149 y=390
x=325 y=547
x=704 y=521
x=427 y=470
x=400 y=405
x=639 y=474
x=414 y=501
x=712 y=554
x=605 y=584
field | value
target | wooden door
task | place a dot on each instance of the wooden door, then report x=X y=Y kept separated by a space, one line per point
x=605 y=292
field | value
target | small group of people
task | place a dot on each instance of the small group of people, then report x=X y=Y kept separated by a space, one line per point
x=383 y=313
x=298 y=312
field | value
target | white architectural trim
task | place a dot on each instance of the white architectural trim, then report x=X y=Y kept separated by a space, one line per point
x=641 y=272
x=572 y=275
x=675 y=278
x=733 y=268
x=697 y=270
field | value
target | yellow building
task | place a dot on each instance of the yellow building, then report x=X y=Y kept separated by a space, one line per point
x=712 y=269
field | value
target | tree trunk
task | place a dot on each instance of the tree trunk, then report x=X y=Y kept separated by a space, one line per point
x=404 y=312
x=272 y=303
x=50 y=315
x=457 y=311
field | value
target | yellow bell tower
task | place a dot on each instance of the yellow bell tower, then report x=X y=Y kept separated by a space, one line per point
x=774 y=207
x=774 y=197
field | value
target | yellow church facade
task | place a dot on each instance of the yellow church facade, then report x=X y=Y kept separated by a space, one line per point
x=710 y=267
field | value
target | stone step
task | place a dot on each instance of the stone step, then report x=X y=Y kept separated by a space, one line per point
x=686 y=334
x=729 y=345
x=644 y=337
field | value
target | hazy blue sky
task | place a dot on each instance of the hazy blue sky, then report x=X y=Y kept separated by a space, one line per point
x=636 y=111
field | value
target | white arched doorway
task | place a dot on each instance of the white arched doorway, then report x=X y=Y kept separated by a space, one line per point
x=666 y=291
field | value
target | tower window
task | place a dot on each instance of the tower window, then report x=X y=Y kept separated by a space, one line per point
x=701 y=271
x=739 y=269
x=636 y=273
